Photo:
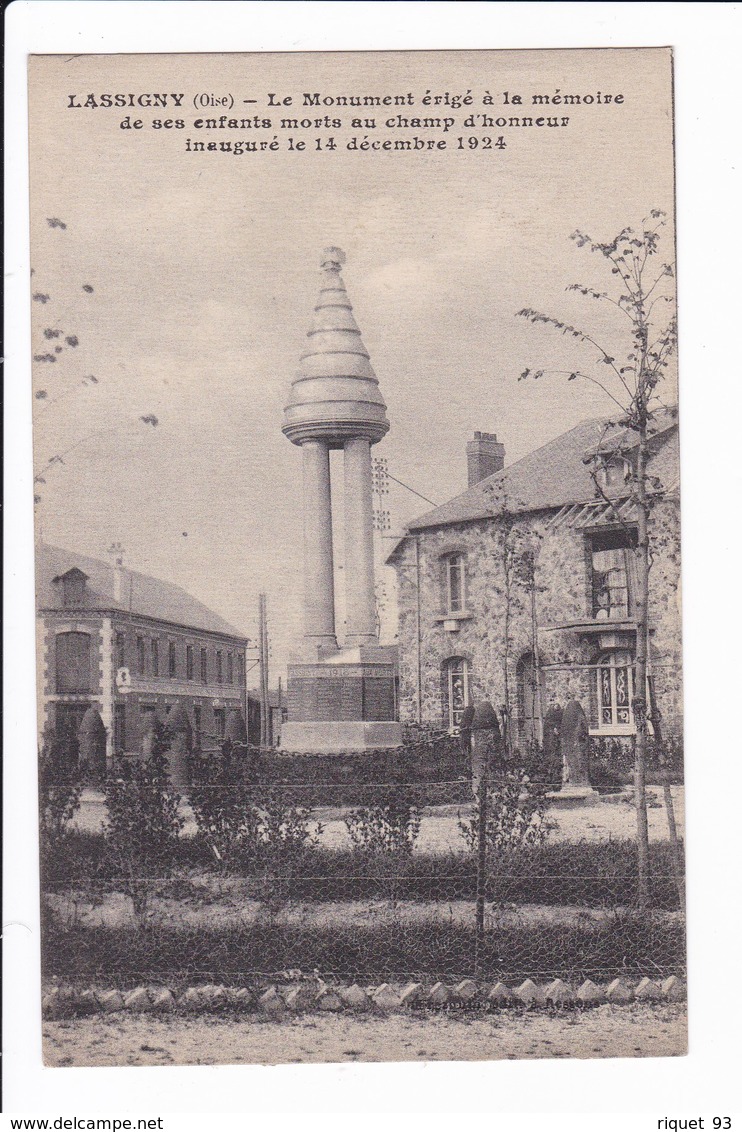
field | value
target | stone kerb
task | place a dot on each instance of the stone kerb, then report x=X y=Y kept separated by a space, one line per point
x=308 y=996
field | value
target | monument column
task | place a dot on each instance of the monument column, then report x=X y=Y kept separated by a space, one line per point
x=339 y=699
x=319 y=584
x=359 y=545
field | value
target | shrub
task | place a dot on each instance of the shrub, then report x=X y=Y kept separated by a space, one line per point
x=222 y=804
x=434 y=760
x=253 y=824
x=586 y=873
x=391 y=826
x=284 y=826
x=666 y=764
x=516 y=809
x=622 y=944
x=541 y=769
x=60 y=789
x=143 y=823
x=612 y=761
x=604 y=778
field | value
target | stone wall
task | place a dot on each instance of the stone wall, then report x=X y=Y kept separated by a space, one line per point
x=563 y=587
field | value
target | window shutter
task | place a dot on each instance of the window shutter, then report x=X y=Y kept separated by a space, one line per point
x=632 y=576
x=443 y=585
x=73 y=662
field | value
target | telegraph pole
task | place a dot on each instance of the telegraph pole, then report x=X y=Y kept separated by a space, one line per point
x=263 y=661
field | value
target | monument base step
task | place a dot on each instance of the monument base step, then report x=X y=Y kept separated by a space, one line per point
x=336 y=737
x=574 y=796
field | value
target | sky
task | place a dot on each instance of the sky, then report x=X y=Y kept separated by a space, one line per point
x=204 y=270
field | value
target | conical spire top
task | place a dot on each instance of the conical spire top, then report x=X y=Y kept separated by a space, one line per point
x=332 y=259
x=335 y=395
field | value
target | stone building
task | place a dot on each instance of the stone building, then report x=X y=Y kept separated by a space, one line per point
x=534 y=553
x=130 y=645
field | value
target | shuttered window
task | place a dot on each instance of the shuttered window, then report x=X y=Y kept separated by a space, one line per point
x=73 y=662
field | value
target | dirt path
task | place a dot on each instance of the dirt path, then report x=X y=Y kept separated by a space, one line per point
x=638 y=1030
x=439 y=829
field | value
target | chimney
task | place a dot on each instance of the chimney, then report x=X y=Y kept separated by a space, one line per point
x=117 y=559
x=484 y=456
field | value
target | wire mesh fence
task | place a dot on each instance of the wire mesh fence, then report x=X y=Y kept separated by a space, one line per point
x=260 y=865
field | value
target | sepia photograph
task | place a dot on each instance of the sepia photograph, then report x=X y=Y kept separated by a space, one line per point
x=357 y=557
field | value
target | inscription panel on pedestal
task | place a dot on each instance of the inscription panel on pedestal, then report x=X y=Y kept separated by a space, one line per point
x=328 y=699
x=347 y=693
x=378 y=698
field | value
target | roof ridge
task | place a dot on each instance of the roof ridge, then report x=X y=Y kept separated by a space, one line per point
x=503 y=471
x=542 y=479
x=535 y=451
x=226 y=628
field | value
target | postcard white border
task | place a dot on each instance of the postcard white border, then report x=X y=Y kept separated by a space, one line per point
x=706 y=40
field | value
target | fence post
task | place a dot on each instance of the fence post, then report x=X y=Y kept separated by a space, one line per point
x=485 y=733
x=677 y=858
x=481 y=872
x=265 y=735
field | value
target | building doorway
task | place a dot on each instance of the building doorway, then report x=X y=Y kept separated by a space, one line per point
x=67 y=720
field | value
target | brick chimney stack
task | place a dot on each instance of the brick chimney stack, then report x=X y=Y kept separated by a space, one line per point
x=484 y=456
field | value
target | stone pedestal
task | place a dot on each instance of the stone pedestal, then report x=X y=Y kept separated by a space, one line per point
x=345 y=702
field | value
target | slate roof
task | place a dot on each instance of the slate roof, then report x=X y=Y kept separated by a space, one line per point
x=551 y=476
x=151 y=597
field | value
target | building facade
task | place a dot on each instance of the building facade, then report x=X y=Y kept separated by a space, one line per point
x=131 y=646
x=522 y=590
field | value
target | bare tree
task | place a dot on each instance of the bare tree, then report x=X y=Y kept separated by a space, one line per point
x=516 y=553
x=56 y=376
x=631 y=376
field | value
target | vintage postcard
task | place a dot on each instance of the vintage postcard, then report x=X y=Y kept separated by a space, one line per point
x=357 y=556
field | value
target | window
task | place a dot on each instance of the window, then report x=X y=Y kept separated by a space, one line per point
x=120 y=650
x=218 y=666
x=171 y=665
x=197 y=723
x=615 y=691
x=204 y=667
x=146 y=716
x=155 y=650
x=67 y=720
x=455 y=690
x=613 y=565
x=614 y=473
x=241 y=669
x=73 y=662
x=189 y=662
x=141 y=668
x=454 y=583
x=73 y=587
x=230 y=668
x=219 y=722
